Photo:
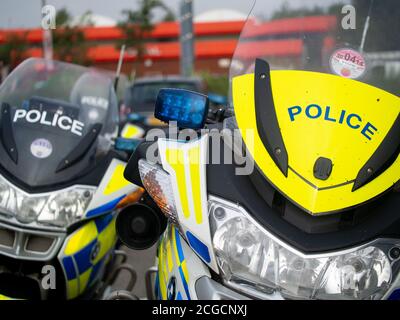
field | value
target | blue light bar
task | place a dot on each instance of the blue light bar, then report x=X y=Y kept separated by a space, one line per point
x=189 y=109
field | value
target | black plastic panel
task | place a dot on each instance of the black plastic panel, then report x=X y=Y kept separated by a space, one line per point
x=7 y=135
x=267 y=121
x=382 y=159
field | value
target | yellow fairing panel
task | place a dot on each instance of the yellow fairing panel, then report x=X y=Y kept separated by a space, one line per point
x=321 y=115
x=117 y=181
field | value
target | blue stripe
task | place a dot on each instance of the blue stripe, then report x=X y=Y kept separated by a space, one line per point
x=95 y=271
x=69 y=268
x=179 y=245
x=179 y=296
x=395 y=295
x=104 y=208
x=83 y=259
x=199 y=247
x=103 y=222
x=157 y=287
x=185 y=285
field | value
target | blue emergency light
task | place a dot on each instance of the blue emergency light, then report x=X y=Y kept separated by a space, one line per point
x=189 y=109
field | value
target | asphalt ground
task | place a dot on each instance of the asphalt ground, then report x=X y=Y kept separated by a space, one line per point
x=140 y=261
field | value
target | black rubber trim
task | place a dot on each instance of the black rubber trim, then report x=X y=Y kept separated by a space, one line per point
x=382 y=159
x=80 y=151
x=7 y=135
x=91 y=176
x=267 y=121
x=131 y=172
x=323 y=168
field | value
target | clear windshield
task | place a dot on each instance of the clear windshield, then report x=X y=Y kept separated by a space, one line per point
x=54 y=108
x=357 y=39
x=332 y=95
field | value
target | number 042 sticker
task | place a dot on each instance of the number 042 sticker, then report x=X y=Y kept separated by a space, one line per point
x=348 y=63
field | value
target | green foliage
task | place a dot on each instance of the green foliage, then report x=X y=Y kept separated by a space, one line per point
x=384 y=19
x=286 y=11
x=13 y=51
x=216 y=83
x=69 y=41
x=137 y=23
x=63 y=17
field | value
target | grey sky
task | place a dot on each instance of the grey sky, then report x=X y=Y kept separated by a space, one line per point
x=26 y=13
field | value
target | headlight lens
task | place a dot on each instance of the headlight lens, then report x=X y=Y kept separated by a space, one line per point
x=4 y=193
x=29 y=208
x=157 y=183
x=65 y=208
x=59 y=209
x=252 y=259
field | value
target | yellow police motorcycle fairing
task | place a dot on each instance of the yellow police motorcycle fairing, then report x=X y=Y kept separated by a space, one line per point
x=61 y=182
x=315 y=98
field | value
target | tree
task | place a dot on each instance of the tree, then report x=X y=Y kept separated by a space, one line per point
x=13 y=51
x=285 y=11
x=69 y=41
x=137 y=24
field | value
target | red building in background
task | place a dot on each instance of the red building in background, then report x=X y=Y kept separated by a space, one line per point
x=214 y=46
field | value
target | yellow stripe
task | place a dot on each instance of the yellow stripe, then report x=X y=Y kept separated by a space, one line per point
x=185 y=271
x=163 y=285
x=131 y=131
x=83 y=280
x=194 y=164
x=81 y=238
x=175 y=246
x=117 y=181
x=107 y=239
x=169 y=257
x=175 y=157
x=73 y=291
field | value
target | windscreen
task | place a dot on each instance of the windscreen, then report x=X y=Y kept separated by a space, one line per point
x=57 y=121
x=315 y=91
x=356 y=39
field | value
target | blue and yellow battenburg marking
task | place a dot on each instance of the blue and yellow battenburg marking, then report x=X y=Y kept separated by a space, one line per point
x=112 y=190
x=170 y=258
x=186 y=164
x=86 y=251
x=131 y=131
x=109 y=206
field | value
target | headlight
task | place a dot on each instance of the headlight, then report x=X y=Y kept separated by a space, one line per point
x=65 y=208
x=59 y=209
x=158 y=185
x=253 y=260
x=29 y=208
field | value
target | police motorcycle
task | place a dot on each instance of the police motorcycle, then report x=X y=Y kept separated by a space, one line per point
x=61 y=184
x=317 y=217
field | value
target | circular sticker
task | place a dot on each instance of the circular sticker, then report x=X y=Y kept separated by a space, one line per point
x=348 y=63
x=41 y=148
x=93 y=115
